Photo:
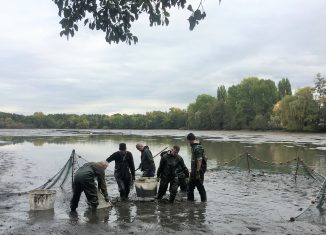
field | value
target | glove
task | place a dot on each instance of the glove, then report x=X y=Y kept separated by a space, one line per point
x=133 y=178
x=107 y=199
x=158 y=179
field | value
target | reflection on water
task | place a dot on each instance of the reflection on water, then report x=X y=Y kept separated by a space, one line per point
x=124 y=212
x=176 y=216
x=43 y=145
x=97 y=216
x=41 y=215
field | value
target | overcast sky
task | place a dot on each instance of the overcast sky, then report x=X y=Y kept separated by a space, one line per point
x=168 y=67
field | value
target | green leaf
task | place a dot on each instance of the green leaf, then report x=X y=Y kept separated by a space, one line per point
x=197 y=14
x=167 y=14
x=166 y=21
x=75 y=27
x=192 y=22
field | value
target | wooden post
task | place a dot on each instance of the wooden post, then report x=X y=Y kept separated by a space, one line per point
x=296 y=170
x=248 y=163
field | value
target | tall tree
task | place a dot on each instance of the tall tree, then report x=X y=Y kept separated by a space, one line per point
x=199 y=112
x=115 y=17
x=252 y=97
x=320 y=85
x=299 y=112
x=320 y=88
x=221 y=93
x=284 y=88
x=176 y=118
x=39 y=118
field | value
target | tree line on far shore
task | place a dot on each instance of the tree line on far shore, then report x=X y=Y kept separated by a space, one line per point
x=253 y=104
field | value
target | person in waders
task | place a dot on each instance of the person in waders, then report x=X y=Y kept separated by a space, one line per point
x=84 y=181
x=182 y=173
x=124 y=170
x=147 y=165
x=198 y=169
x=167 y=172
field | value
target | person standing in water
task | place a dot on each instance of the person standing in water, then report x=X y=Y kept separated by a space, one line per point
x=198 y=169
x=171 y=165
x=124 y=170
x=147 y=165
x=84 y=181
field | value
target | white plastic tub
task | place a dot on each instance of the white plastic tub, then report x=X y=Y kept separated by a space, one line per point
x=42 y=199
x=146 y=187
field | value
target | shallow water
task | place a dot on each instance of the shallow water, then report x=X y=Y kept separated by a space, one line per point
x=238 y=202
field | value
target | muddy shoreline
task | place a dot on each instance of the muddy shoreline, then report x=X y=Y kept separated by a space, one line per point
x=238 y=203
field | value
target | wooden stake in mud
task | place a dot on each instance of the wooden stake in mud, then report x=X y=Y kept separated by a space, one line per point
x=296 y=170
x=248 y=163
x=72 y=159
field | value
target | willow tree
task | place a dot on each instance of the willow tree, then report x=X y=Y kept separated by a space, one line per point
x=114 y=17
x=300 y=111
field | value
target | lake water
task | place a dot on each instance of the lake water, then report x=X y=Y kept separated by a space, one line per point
x=51 y=148
x=29 y=157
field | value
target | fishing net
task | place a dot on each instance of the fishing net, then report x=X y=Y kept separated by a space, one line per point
x=315 y=213
x=300 y=171
x=62 y=181
x=296 y=167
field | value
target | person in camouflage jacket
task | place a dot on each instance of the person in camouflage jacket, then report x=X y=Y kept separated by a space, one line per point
x=198 y=169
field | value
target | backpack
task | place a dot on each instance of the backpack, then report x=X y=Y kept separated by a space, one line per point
x=200 y=148
x=124 y=168
x=204 y=164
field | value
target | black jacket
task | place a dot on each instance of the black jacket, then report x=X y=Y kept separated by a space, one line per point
x=147 y=161
x=124 y=164
x=172 y=166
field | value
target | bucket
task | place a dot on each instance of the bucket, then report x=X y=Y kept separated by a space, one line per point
x=41 y=199
x=146 y=187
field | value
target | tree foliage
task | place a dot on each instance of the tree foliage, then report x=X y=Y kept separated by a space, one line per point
x=221 y=93
x=115 y=17
x=284 y=88
x=299 y=112
x=320 y=85
x=320 y=88
x=199 y=112
x=250 y=98
x=251 y=104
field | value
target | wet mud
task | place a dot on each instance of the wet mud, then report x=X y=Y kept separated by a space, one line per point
x=238 y=203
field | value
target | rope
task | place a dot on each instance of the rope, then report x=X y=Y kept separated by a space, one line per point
x=272 y=163
x=81 y=157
